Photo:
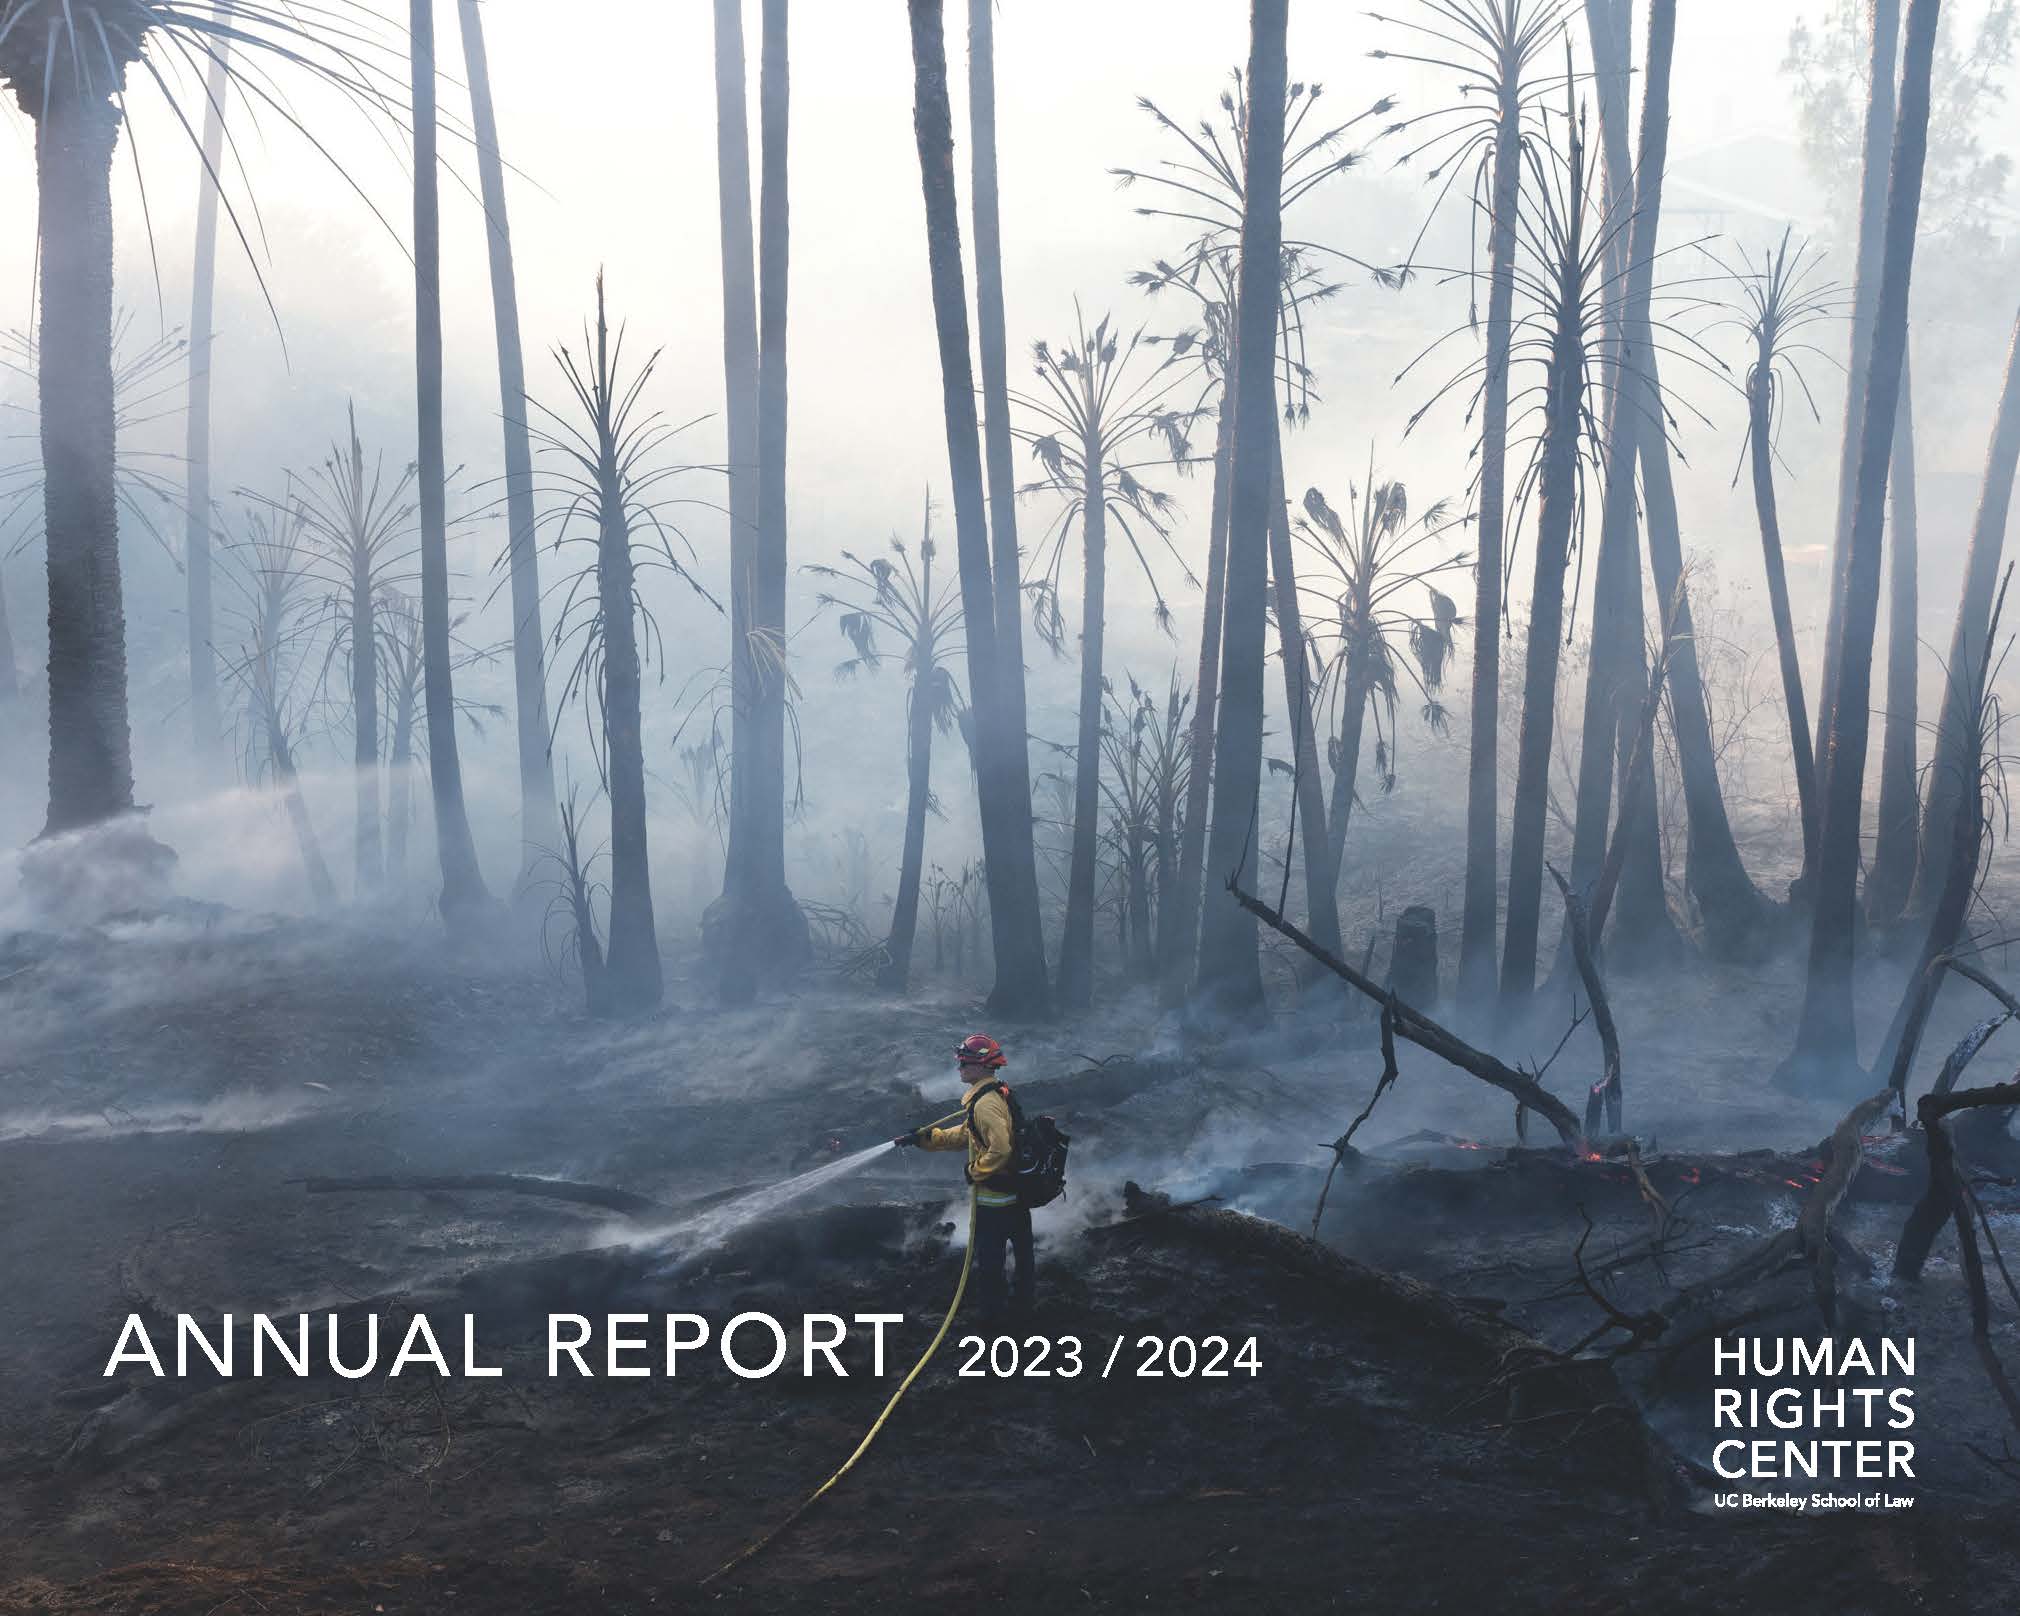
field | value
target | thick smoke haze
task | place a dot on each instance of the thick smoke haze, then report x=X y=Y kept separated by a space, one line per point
x=618 y=175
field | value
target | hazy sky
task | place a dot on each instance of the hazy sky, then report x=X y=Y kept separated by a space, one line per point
x=611 y=122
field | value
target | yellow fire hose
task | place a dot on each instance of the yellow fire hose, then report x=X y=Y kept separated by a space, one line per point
x=869 y=1436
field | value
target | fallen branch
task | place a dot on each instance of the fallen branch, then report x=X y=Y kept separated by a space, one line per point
x=550 y=1189
x=1915 y=1010
x=1965 y=1051
x=1942 y=1196
x=1701 y=1310
x=1948 y=1197
x=1421 y=1030
x=1605 y=1094
x=1345 y=1142
x=1813 y=1227
x=1639 y=1326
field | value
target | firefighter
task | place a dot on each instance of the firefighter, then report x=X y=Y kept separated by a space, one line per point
x=988 y=1134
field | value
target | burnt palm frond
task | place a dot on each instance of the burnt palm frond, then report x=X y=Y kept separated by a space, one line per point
x=275 y=665
x=609 y=478
x=1098 y=421
x=90 y=51
x=1568 y=252
x=899 y=593
x=1204 y=187
x=1777 y=301
x=360 y=525
x=1373 y=579
x=1494 y=48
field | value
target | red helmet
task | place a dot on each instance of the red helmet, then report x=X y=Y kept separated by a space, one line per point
x=980 y=1050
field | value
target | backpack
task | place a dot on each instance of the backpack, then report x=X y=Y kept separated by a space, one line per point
x=1037 y=1152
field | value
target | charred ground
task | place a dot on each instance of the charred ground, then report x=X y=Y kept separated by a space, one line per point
x=1409 y=1439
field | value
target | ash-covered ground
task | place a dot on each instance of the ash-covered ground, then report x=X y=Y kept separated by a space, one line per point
x=1411 y=1438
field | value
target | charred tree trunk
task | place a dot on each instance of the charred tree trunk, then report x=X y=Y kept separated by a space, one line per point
x=463 y=895
x=1760 y=451
x=895 y=974
x=1002 y=768
x=1826 y=1038
x=1230 y=973
x=1075 y=989
x=1732 y=907
x=1884 y=18
x=1482 y=896
x=314 y=865
x=1892 y=876
x=539 y=830
x=364 y=700
x=1946 y=925
x=400 y=780
x=1562 y=398
x=631 y=970
x=1164 y=869
x=740 y=372
x=1322 y=902
x=1005 y=563
x=764 y=936
x=1616 y=675
x=90 y=743
x=203 y=701
x=1953 y=774
x=1181 y=932
x=1354 y=698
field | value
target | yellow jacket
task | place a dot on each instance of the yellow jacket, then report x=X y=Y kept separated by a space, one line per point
x=988 y=1137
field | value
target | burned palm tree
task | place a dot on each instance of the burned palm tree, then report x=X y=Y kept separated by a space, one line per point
x=899 y=594
x=573 y=894
x=403 y=701
x=1386 y=620
x=1565 y=244
x=1099 y=419
x=1495 y=46
x=610 y=481
x=1229 y=978
x=399 y=618
x=360 y=520
x=1202 y=187
x=276 y=666
x=1778 y=301
x=1146 y=746
x=67 y=62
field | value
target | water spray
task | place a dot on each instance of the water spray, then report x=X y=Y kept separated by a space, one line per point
x=713 y=1225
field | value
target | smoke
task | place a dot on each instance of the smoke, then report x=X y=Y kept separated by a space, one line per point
x=229 y=1113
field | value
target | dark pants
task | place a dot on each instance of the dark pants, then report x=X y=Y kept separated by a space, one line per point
x=998 y=1229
